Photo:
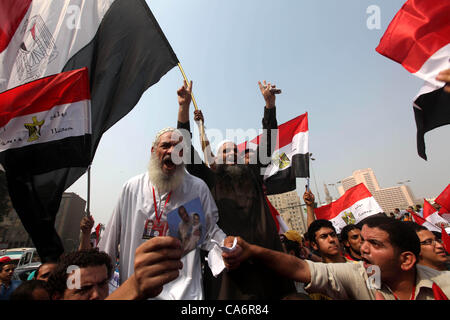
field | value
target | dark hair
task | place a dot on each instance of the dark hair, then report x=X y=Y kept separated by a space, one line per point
x=51 y=261
x=25 y=290
x=437 y=234
x=82 y=259
x=2 y=264
x=291 y=245
x=401 y=235
x=346 y=230
x=416 y=227
x=316 y=225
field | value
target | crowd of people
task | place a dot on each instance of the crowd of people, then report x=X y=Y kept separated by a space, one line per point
x=377 y=258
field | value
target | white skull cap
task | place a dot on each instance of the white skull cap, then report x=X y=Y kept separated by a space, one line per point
x=221 y=144
x=161 y=132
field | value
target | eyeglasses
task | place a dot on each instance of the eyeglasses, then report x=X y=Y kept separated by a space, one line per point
x=429 y=242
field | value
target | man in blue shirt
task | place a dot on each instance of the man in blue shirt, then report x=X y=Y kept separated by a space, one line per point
x=7 y=286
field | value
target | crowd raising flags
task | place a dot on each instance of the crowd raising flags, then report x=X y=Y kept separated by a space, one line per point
x=431 y=218
x=419 y=38
x=123 y=51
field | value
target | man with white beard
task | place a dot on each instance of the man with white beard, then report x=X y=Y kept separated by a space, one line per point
x=150 y=196
x=243 y=211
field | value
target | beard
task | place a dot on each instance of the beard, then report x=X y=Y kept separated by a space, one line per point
x=162 y=181
x=235 y=173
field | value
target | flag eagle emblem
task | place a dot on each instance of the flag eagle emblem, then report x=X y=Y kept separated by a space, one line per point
x=282 y=161
x=34 y=129
x=349 y=218
x=37 y=48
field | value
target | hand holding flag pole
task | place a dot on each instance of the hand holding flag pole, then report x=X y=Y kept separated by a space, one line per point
x=200 y=123
x=88 y=202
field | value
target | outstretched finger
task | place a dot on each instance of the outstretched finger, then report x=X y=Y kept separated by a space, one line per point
x=261 y=87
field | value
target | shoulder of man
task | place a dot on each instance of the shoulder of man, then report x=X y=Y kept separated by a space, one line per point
x=16 y=282
x=135 y=181
x=441 y=278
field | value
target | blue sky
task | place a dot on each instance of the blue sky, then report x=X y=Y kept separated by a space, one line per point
x=320 y=53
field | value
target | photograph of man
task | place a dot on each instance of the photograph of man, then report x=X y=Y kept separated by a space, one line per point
x=196 y=232
x=187 y=223
x=185 y=228
x=148 y=229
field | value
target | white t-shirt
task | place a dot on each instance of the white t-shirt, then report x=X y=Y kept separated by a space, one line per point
x=126 y=226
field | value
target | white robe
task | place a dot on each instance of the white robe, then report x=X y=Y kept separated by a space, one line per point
x=126 y=226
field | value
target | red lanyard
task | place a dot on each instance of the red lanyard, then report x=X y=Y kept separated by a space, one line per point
x=158 y=218
x=412 y=296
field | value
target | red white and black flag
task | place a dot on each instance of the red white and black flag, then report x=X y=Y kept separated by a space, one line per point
x=290 y=159
x=125 y=52
x=444 y=201
x=356 y=204
x=431 y=219
x=46 y=124
x=419 y=38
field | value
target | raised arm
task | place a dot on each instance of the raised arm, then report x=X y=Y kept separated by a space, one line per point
x=194 y=163
x=206 y=147
x=309 y=199
x=284 y=264
x=269 y=122
x=86 y=225
x=445 y=76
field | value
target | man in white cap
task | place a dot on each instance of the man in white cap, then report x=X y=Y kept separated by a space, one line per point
x=150 y=196
x=238 y=192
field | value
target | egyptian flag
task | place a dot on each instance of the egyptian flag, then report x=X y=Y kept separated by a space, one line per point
x=290 y=159
x=419 y=38
x=279 y=222
x=431 y=218
x=444 y=201
x=352 y=207
x=445 y=239
x=46 y=123
x=95 y=236
x=125 y=52
x=444 y=213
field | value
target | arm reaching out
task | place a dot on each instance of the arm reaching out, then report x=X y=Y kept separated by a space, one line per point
x=286 y=265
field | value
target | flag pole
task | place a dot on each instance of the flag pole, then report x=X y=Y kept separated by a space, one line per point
x=88 y=212
x=202 y=128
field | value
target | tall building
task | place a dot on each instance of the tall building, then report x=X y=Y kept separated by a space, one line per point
x=328 y=197
x=67 y=225
x=291 y=210
x=388 y=198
